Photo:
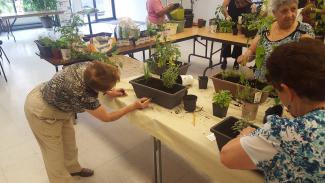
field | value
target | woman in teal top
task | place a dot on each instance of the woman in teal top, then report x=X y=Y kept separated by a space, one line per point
x=284 y=30
x=288 y=150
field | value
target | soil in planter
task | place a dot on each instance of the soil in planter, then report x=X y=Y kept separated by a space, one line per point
x=158 y=84
x=253 y=83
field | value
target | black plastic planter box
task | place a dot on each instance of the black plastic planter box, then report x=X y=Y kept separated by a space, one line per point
x=45 y=51
x=153 y=88
x=223 y=131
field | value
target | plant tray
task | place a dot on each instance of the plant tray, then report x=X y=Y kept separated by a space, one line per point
x=223 y=131
x=233 y=87
x=153 y=88
x=45 y=51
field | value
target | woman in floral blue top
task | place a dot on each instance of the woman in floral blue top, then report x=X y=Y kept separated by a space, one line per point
x=284 y=30
x=288 y=150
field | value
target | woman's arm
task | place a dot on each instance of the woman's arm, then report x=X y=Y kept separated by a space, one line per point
x=248 y=56
x=101 y=113
x=233 y=156
x=167 y=9
x=225 y=5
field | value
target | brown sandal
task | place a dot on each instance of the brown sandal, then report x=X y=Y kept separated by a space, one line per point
x=84 y=172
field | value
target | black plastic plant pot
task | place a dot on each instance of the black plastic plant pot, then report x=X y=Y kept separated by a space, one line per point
x=45 y=51
x=190 y=102
x=223 y=131
x=153 y=88
x=219 y=111
x=275 y=110
x=201 y=23
x=203 y=82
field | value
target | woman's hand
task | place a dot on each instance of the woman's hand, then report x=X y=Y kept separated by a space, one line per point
x=116 y=92
x=142 y=103
x=245 y=58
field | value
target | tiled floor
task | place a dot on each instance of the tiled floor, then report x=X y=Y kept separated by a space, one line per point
x=118 y=152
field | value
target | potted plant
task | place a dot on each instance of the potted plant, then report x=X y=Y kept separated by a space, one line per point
x=250 y=102
x=165 y=56
x=232 y=80
x=220 y=103
x=203 y=82
x=190 y=102
x=44 y=45
x=252 y=22
x=229 y=129
x=154 y=89
x=223 y=25
x=41 y=5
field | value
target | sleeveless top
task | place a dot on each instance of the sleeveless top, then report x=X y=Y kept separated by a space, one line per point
x=300 y=143
x=268 y=46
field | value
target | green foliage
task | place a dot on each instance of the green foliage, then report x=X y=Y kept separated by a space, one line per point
x=170 y=76
x=63 y=43
x=247 y=94
x=70 y=31
x=5 y=6
x=222 y=24
x=166 y=53
x=46 y=41
x=254 y=21
x=260 y=56
x=222 y=98
x=230 y=74
x=241 y=124
x=39 y=5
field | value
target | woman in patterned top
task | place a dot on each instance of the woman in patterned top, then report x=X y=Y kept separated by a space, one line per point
x=50 y=109
x=284 y=30
x=288 y=150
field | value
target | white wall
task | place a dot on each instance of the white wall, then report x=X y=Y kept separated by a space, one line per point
x=205 y=9
x=135 y=9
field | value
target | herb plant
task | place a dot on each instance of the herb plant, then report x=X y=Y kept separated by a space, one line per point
x=241 y=124
x=222 y=98
x=170 y=76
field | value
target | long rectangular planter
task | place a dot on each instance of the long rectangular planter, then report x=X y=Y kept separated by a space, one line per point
x=153 y=88
x=234 y=88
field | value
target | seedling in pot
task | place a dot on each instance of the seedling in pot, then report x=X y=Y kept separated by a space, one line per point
x=221 y=101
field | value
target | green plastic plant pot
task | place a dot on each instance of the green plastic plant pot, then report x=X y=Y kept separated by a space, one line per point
x=177 y=14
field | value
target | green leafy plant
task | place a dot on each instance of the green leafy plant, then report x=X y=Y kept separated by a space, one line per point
x=170 y=76
x=39 y=5
x=222 y=24
x=5 y=6
x=46 y=41
x=222 y=98
x=230 y=74
x=247 y=94
x=166 y=53
x=241 y=124
x=70 y=32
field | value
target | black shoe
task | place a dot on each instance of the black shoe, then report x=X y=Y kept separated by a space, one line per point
x=224 y=64
x=236 y=65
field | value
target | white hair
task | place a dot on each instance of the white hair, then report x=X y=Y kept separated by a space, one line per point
x=275 y=4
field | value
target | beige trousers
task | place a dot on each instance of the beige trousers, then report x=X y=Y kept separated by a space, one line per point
x=55 y=135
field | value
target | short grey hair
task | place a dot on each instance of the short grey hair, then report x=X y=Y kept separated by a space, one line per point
x=275 y=4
